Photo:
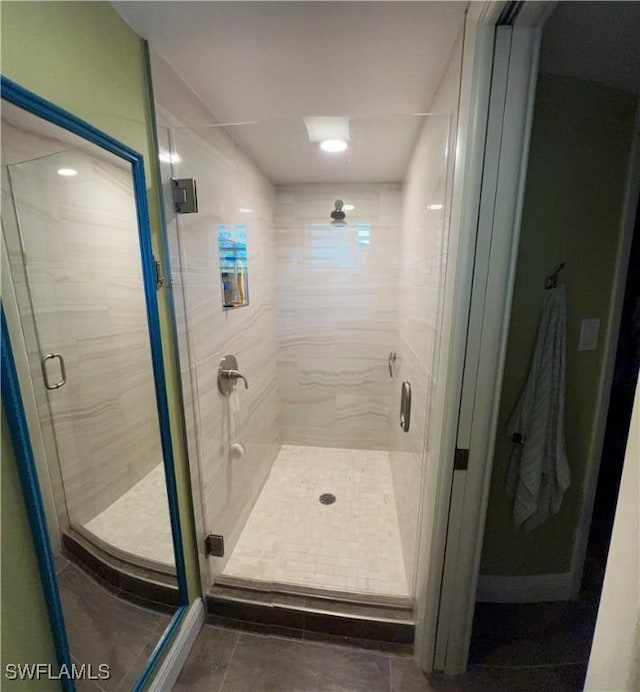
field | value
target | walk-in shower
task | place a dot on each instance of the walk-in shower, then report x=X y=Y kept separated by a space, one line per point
x=309 y=481
x=340 y=316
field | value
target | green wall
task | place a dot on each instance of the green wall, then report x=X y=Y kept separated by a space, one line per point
x=26 y=637
x=578 y=161
x=83 y=57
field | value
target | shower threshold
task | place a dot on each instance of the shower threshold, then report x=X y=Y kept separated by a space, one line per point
x=290 y=589
x=305 y=616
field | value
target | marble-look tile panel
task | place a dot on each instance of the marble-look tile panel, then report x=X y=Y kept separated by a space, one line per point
x=336 y=312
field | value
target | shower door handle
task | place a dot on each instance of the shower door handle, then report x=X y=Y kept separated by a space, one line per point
x=405 y=406
x=45 y=374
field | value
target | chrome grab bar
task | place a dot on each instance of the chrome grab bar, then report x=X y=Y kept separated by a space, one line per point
x=405 y=406
x=45 y=374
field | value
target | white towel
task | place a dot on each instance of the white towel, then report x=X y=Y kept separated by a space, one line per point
x=539 y=472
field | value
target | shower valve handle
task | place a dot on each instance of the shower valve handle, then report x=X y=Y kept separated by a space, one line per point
x=235 y=375
x=228 y=375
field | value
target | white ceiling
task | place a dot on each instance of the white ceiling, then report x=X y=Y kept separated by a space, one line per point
x=599 y=41
x=275 y=62
x=379 y=150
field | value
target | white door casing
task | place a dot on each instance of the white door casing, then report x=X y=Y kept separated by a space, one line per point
x=499 y=75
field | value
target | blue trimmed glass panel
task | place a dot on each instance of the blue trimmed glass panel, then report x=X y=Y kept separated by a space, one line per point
x=60 y=217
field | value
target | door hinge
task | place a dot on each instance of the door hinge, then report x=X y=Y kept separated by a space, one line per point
x=157 y=270
x=214 y=545
x=185 y=196
x=461 y=459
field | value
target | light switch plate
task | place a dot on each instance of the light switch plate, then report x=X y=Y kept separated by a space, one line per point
x=589 y=332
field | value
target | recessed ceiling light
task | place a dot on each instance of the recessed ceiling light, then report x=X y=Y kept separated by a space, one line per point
x=348 y=207
x=333 y=145
x=434 y=207
x=166 y=157
x=245 y=210
x=67 y=172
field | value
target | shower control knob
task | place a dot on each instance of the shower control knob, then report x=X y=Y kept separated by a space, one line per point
x=228 y=375
x=234 y=375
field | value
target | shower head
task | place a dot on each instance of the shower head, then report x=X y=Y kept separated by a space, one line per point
x=337 y=215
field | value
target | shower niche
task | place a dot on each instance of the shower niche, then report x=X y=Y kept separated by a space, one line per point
x=232 y=255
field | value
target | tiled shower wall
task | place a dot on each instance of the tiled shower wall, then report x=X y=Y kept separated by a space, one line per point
x=227 y=180
x=336 y=313
x=422 y=262
x=83 y=262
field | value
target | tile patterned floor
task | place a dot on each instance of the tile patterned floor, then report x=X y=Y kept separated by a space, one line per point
x=225 y=660
x=352 y=545
x=103 y=628
x=138 y=522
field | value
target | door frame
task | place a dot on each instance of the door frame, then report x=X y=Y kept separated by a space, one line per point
x=498 y=228
x=499 y=70
x=12 y=398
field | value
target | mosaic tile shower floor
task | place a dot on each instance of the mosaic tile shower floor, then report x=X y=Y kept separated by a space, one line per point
x=138 y=522
x=352 y=545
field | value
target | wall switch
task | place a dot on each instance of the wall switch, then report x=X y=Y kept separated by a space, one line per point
x=589 y=332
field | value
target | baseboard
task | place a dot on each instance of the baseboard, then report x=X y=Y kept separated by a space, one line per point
x=533 y=588
x=168 y=672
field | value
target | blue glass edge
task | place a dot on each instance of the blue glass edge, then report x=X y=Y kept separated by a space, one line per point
x=160 y=648
x=19 y=96
x=19 y=432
